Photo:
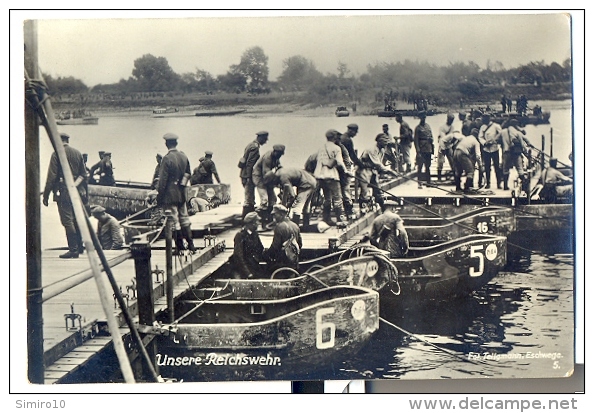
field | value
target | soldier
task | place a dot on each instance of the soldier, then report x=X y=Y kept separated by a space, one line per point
x=155 y=179
x=388 y=232
x=371 y=165
x=251 y=154
x=489 y=137
x=466 y=155
x=174 y=175
x=105 y=170
x=287 y=178
x=108 y=229
x=444 y=144
x=286 y=242
x=405 y=143
x=424 y=146
x=55 y=183
x=248 y=249
x=329 y=163
x=267 y=162
x=206 y=169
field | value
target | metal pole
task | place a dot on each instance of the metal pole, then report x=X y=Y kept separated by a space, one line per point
x=551 y=150
x=542 y=152
x=33 y=219
x=169 y=266
x=80 y=214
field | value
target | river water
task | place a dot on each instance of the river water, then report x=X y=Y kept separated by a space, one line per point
x=520 y=325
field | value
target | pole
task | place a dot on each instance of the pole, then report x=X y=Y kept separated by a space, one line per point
x=80 y=214
x=551 y=150
x=33 y=220
x=169 y=266
x=141 y=251
x=542 y=152
x=127 y=316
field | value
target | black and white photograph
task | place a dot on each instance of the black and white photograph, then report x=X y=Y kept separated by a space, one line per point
x=301 y=196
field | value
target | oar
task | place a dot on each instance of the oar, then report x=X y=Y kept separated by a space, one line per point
x=137 y=214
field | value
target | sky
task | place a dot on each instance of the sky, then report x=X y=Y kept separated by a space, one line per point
x=101 y=47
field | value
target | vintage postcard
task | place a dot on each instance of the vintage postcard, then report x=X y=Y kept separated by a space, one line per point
x=218 y=197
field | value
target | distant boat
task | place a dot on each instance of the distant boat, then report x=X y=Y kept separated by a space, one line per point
x=404 y=112
x=76 y=117
x=342 y=111
x=170 y=113
x=219 y=112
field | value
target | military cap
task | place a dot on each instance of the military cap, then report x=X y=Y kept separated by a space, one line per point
x=106 y=153
x=208 y=153
x=353 y=126
x=450 y=116
x=462 y=115
x=474 y=132
x=279 y=148
x=97 y=209
x=391 y=204
x=385 y=125
x=65 y=136
x=159 y=156
x=251 y=217
x=279 y=208
x=331 y=133
x=170 y=137
x=262 y=133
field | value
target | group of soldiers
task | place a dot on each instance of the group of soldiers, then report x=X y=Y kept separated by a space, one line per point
x=108 y=229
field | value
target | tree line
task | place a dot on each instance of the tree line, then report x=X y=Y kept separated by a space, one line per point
x=153 y=76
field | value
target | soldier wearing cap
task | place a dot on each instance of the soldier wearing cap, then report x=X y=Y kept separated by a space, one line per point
x=104 y=168
x=405 y=142
x=248 y=249
x=466 y=155
x=155 y=180
x=445 y=145
x=367 y=174
x=94 y=168
x=56 y=183
x=391 y=153
x=108 y=229
x=205 y=170
x=347 y=140
x=270 y=161
x=489 y=137
x=424 y=146
x=513 y=145
x=329 y=166
x=288 y=178
x=388 y=232
x=251 y=154
x=286 y=241
x=174 y=175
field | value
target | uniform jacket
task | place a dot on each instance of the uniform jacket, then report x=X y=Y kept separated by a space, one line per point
x=109 y=234
x=423 y=139
x=293 y=177
x=247 y=253
x=265 y=164
x=251 y=154
x=55 y=178
x=173 y=167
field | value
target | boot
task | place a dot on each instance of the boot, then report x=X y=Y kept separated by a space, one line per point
x=179 y=241
x=187 y=234
x=505 y=185
x=439 y=174
x=348 y=210
x=327 y=216
x=72 y=239
x=246 y=210
x=296 y=218
x=306 y=217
